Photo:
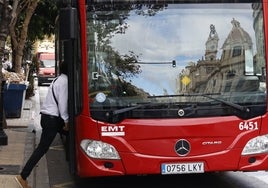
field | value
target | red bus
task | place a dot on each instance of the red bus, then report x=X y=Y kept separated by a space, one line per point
x=165 y=87
x=46 y=71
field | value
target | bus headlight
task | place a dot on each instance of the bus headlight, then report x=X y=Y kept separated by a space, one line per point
x=256 y=145
x=99 y=150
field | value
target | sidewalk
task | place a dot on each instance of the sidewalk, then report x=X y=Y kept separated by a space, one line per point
x=23 y=135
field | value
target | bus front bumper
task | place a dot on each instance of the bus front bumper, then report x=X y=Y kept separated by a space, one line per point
x=139 y=164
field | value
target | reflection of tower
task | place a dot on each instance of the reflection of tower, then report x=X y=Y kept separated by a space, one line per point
x=212 y=44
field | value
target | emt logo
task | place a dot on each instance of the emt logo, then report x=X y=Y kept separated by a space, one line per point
x=113 y=130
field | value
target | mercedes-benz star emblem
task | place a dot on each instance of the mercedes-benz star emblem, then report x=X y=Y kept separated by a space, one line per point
x=182 y=147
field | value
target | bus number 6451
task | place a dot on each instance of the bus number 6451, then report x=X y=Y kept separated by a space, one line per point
x=244 y=125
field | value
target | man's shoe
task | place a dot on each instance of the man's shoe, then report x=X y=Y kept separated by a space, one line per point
x=22 y=183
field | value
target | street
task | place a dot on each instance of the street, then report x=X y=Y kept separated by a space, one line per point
x=59 y=175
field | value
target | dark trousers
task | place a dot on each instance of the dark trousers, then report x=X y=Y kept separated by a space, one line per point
x=51 y=125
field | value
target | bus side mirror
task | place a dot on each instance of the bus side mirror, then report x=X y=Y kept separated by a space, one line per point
x=68 y=23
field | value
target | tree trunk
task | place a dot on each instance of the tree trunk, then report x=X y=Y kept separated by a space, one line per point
x=18 y=38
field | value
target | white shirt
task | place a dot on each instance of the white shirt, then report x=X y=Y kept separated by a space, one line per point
x=60 y=88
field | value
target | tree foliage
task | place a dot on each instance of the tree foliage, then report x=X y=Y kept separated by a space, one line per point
x=43 y=21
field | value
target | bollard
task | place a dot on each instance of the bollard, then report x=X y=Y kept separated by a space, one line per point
x=3 y=136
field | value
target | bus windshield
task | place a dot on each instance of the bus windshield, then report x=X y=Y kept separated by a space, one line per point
x=151 y=60
x=47 y=63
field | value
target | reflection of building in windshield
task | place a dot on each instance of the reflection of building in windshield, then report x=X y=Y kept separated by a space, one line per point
x=233 y=72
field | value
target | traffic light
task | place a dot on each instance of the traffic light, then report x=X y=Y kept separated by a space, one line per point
x=173 y=63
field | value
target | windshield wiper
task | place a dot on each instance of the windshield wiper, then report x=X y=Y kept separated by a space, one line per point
x=127 y=109
x=234 y=105
x=207 y=95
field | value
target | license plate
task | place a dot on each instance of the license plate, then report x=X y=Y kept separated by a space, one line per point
x=50 y=78
x=182 y=168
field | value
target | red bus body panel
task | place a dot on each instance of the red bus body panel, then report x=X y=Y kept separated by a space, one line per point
x=217 y=142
